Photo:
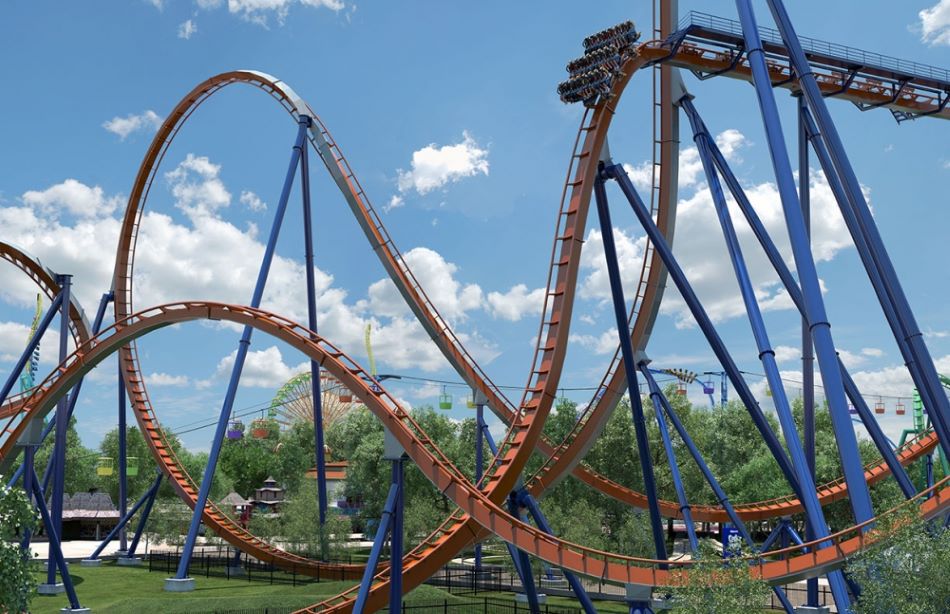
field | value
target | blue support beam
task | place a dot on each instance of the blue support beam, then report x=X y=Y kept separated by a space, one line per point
x=523 y=564
x=396 y=540
x=874 y=257
x=145 y=499
x=56 y=559
x=674 y=467
x=123 y=462
x=795 y=294
x=59 y=444
x=705 y=324
x=315 y=383
x=385 y=522
x=243 y=347
x=629 y=363
x=708 y=476
x=144 y=518
x=852 y=466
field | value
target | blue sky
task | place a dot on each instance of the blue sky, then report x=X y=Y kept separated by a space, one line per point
x=448 y=114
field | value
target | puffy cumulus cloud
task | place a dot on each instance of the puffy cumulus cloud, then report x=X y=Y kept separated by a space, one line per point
x=787 y=353
x=260 y=11
x=262 y=369
x=596 y=284
x=14 y=337
x=252 y=201
x=74 y=197
x=434 y=166
x=437 y=276
x=516 y=302
x=394 y=203
x=187 y=29
x=605 y=343
x=935 y=24
x=197 y=187
x=147 y=120
x=690 y=166
x=701 y=252
x=165 y=379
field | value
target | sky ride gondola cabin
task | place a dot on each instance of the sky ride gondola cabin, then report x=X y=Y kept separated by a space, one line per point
x=104 y=466
x=900 y=410
x=132 y=466
x=260 y=428
x=879 y=406
x=681 y=388
x=445 y=400
x=709 y=388
x=235 y=429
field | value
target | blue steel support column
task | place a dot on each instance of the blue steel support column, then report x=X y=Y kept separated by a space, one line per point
x=808 y=359
x=778 y=263
x=805 y=488
x=629 y=362
x=710 y=478
x=479 y=466
x=705 y=324
x=396 y=541
x=146 y=499
x=783 y=410
x=674 y=468
x=542 y=522
x=56 y=553
x=315 y=384
x=240 y=357
x=29 y=453
x=385 y=522
x=524 y=562
x=851 y=463
x=59 y=445
x=123 y=475
x=888 y=287
x=145 y=514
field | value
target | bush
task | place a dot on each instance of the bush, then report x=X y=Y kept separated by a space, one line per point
x=16 y=582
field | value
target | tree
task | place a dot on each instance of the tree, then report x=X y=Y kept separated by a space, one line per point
x=80 y=460
x=905 y=571
x=714 y=585
x=16 y=581
x=284 y=456
x=138 y=453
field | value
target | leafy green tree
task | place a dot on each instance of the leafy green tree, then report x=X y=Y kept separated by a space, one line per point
x=905 y=571
x=80 y=461
x=284 y=456
x=714 y=585
x=17 y=584
x=138 y=453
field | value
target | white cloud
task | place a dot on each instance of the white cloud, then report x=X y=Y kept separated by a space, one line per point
x=935 y=23
x=435 y=166
x=872 y=352
x=187 y=29
x=252 y=201
x=196 y=186
x=394 y=203
x=596 y=284
x=262 y=368
x=146 y=121
x=15 y=335
x=516 y=303
x=159 y=4
x=72 y=196
x=787 y=353
x=605 y=343
x=165 y=379
x=259 y=11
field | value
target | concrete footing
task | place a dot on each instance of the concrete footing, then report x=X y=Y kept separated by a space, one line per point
x=522 y=598
x=51 y=589
x=808 y=609
x=236 y=571
x=90 y=563
x=179 y=585
x=77 y=610
x=127 y=561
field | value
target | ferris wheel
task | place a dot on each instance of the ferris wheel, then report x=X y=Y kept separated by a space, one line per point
x=293 y=401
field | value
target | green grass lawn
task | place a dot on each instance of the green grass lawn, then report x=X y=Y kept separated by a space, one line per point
x=129 y=590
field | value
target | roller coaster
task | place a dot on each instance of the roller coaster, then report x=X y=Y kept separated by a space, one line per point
x=495 y=503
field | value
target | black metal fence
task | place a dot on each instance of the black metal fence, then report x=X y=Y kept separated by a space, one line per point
x=236 y=565
x=483 y=605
